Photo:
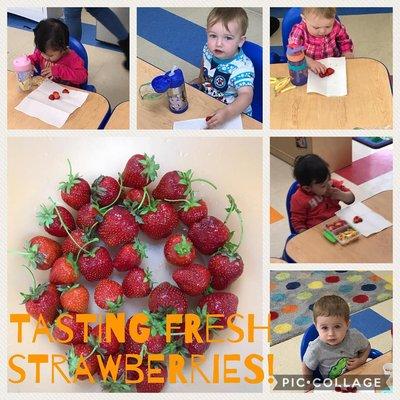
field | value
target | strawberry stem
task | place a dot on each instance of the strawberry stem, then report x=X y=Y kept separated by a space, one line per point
x=233 y=208
x=205 y=181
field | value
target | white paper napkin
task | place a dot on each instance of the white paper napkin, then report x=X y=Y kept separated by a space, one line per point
x=332 y=85
x=54 y=112
x=200 y=123
x=371 y=223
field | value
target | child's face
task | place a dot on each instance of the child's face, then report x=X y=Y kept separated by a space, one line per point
x=319 y=189
x=222 y=42
x=52 y=55
x=318 y=25
x=332 y=329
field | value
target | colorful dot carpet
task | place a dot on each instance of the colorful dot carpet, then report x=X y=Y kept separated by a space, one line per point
x=293 y=294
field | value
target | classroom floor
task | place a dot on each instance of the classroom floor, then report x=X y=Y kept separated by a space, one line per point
x=282 y=177
x=372 y=35
x=106 y=72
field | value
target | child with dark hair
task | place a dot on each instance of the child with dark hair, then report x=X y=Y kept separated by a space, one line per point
x=52 y=55
x=317 y=197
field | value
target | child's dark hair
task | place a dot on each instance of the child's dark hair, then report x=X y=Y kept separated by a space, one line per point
x=51 y=34
x=310 y=169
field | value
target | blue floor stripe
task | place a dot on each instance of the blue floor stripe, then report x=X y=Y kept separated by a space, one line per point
x=279 y=12
x=88 y=31
x=178 y=36
x=370 y=323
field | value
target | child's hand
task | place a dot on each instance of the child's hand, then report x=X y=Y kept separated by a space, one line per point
x=46 y=71
x=218 y=118
x=334 y=193
x=316 y=67
x=353 y=363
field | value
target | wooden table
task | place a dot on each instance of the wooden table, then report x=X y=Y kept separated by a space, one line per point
x=311 y=247
x=120 y=117
x=155 y=114
x=88 y=116
x=368 y=104
x=274 y=260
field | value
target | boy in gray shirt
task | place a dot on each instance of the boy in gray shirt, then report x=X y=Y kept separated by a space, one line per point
x=337 y=348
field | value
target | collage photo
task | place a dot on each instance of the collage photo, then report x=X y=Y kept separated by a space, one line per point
x=158 y=190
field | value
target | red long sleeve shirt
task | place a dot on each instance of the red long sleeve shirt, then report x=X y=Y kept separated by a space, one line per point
x=308 y=209
x=68 y=70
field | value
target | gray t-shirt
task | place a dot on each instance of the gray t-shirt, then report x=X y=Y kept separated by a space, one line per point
x=332 y=360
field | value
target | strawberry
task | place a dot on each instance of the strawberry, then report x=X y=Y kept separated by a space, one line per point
x=139 y=171
x=179 y=250
x=145 y=386
x=75 y=191
x=130 y=256
x=159 y=219
x=357 y=219
x=165 y=296
x=51 y=97
x=220 y=303
x=175 y=185
x=79 y=353
x=329 y=71
x=77 y=329
x=49 y=218
x=75 y=241
x=117 y=386
x=225 y=268
x=41 y=252
x=137 y=283
x=108 y=295
x=42 y=299
x=87 y=216
x=192 y=211
x=64 y=271
x=197 y=347
x=66 y=91
x=74 y=298
x=208 y=235
x=136 y=195
x=118 y=227
x=208 y=117
x=56 y=95
x=96 y=265
x=192 y=280
x=105 y=190
x=98 y=338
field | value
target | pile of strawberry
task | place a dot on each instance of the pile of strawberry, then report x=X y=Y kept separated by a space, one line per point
x=101 y=239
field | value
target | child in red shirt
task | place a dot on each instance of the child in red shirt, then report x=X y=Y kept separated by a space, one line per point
x=52 y=55
x=317 y=197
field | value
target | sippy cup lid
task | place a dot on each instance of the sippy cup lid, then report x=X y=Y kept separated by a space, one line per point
x=22 y=64
x=176 y=76
x=161 y=83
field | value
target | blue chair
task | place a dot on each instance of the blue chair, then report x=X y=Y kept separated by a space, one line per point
x=311 y=334
x=293 y=233
x=254 y=52
x=76 y=45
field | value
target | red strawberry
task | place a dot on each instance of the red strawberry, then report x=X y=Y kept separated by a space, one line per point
x=192 y=280
x=87 y=216
x=49 y=219
x=357 y=219
x=192 y=211
x=64 y=271
x=77 y=329
x=175 y=185
x=118 y=385
x=51 y=97
x=74 y=298
x=130 y=256
x=41 y=252
x=137 y=283
x=220 y=303
x=208 y=235
x=329 y=71
x=56 y=95
x=105 y=347
x=166 y=296
x=108 y=295
x=118 y=227
x=42 y=299
x=208 y=117
x=225 y=268
x=74 y=242
x=79 y=353
x=65 y=91
x=179 y=250
x=199 y=347
x=96 y=265
x=159 y=219
x=105 y=190
x=136 y=195
x=139 y=171
x=75 y=191
x=145 y=386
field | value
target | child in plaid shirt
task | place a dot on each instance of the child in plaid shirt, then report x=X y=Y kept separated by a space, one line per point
x=322 y=35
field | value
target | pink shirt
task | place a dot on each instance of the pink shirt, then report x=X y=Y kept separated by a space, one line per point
x=332 y=45
x=68 y=70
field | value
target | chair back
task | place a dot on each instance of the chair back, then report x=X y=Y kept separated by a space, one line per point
x=292 y=17
x=290 y=193
x=254 y=52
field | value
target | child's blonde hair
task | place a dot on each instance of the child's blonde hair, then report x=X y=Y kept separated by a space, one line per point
x=226 y=15
x=332 y=305
x=325 y=12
